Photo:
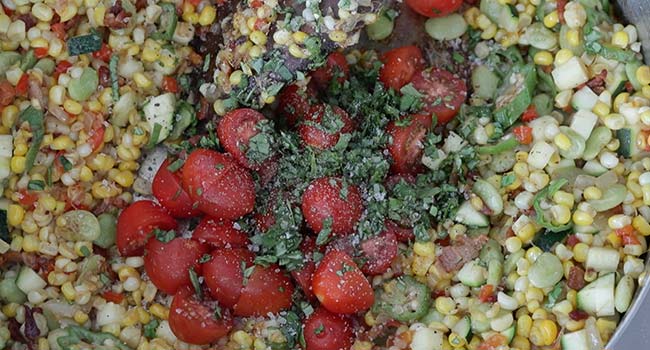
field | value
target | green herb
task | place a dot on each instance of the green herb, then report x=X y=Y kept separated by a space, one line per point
x=554 y=296
x=411 y=98
x=246 y=271
x=65 y=163
x=319 y=329
x=115 y=85
x=324 y=234
x=168 y=22
x=194 y=279
x=48 y=176
x=164 y=236
x=36 y=185
x=345 y=268
x=508 y=180
x=104 y=279
x=155 y=135
x=458 y=58
x=503 y=146
x=175 y=165
x=84 y=250
x=75 y=335
x=205 y=258
x=217 y=312
x=260 y=146
x=28 y=61
x=82 y=44
x=149 y=329
x=36 y=123
x=545 y=193
x=4 y=227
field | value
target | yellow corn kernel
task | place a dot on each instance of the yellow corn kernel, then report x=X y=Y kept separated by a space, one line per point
x=563 y=56
x=641 y=224
x=15 y=214
x=130 y=319
x=72 y=106
x=471 y=15
x=445 y=305
x=552 y=19
x=620 y=99
x=258 y=37
x=128 y=153
x=562 y=141
x=643 y=75
x=561 y=214
x=10 y=309
x=424 y=249
x=369 y=319
x=614 y=240
x=63 y=142
x=483 y=22
x=621 y=39
x=142 y=81
x=296 y=51
x=235 y=77
x=543 y=58
x=9 y=116
x=521 y=343
x=30 y=243
x=80 y=317
x=573 y=37
x=42 y=12
x=543 y=333
x=191 y=17
x=47 y=202
x=188 y=7
x=208 y=15
x=526 y=233
x=20 y=149
x=601 y=109
x=592 y=193
x=582 y=218
x=85 y=174
x=456 y=341
x=489 y=32
x=104 y=189
x=143 y=315
x=338 y=36
x=524 y=324
x=565 y=198
x=101 y=162
x=159 y=311
x=151 y=51
x=243 y=339
x=68 y=291
x=358 y=345
x=580 y=251
x=18 y=164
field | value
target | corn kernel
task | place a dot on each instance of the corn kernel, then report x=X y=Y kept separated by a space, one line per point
x=159 y=311
x=80 y=317
x=552 y=19
x=72 y=106
x=601 y=109
x=68 y=291
x=543 y=58
x=565 y=198
x=142 y=81
x=573 y=37
x=18 y=164
x=208 y=15
x=621 y=39
x=563 y=56
x=483 y=22
x=580 y=251
x=424 y=248
x=63 y=142
x=258 y=37
x=489 y=32
x=582 y=218
x=30 y=243
x=543 y=333
x=641 y=224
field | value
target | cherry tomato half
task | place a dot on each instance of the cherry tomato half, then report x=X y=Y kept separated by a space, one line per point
x=434 y=8
x=340 y=286
x=328 y=198
x=378 y=253
x=197 y=322
x=266 y=290
x=166 y=187
x=219 y=233
x=235 y=130
x=443 y=92
x=323 y=126
x=400 y=65
x=135 y=224
x=407 y=143
x=221 y=187
x=295 y=102
x=324 y=330
x=336 y=67
x=224 y=274
x=304 y=275
x=168 y=264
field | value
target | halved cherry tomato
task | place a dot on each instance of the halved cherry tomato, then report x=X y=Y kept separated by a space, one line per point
x=407 y=144
x=27 y=198
x=168 y=264
x=402 y=234
x=336 y=67
x=627 y=235
x=340 y=286
x=443 y=92
x=40 y=52
x=170 y=84
x=104 y=53
x=324 y=330
x=378 y=253
x=295 y=102
x=530 y=114
x=304 y=275
x=235 y=130
x=166 y=187
x=313 y=130
x=400 y=65
x=224 y=274
x=23 y=85
x=7 y=93
x=59 y=30
x=434 y=8
x=328 y=198
x=197 y=322
x=221 y=187
x=523 y=134
x=61 y=67
x=266 y=290
x=135 y=224
x=219 y=233
x=113 y=297
x=96 y=138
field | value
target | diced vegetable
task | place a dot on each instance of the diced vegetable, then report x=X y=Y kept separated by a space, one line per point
x=577 y=147
x=472 y=274
x=515 y=95
x=499 y=14
x=612 y=196
x=600 y=137
x=577 y=340
x=28 y=280
x=546 y=271
x=10 y=293
x=82 y=44
x=107 y=228
x=602 y=259
x=540 y=155
x=404 y=299
x=485 y=82
x=469 y=216
x=489 y=195
x=584 y=99
x=82 y=88
x=159 y=114
x=571 y=74
x=623 y=293
x=628 y=137
x=446 y=28
x=78 y=225
x=382 y=28
x=597 y=298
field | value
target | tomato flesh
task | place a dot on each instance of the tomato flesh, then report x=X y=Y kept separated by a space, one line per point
x=222 y=188
x=434 y=8
x=235 y=130
x=196 y=322
x=407 y=143
x=336 y=67
x=443 y=92
x=266 y=290
x=327 y=199
x=314 y=128
x=295 y=102
x=379 y=253
x=167 y=188
x=340 y=286
x=219 y=234
x=224 y=275
x=136 y=223
x=168 y=264
x=400 y=65
x=324 y=330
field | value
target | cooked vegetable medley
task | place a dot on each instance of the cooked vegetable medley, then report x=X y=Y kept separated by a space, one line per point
x=320 y=175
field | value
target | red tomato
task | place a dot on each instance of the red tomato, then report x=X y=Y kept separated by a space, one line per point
x=61 y=67
x=407 y=143
x=40 y=52
x=313 y=131
x=336 y=67
x=627 y=235
x=443 y=92
x=434 y=8
x=486 y=294
x=530 y=114
x=221 y=187
x=170 y=84
x=59 y=30
x=197 y=322
x=495 y=341
x=235 y=130
x=340 y=286
x=168 y=264
x=219 y=233
x=400 y=65
x=295 y=102
x=266 y=290
x=328 y=198
x=113 y=297
x=402 y=234
x=166 y=187
x=96 y=138
x=379 y=253
x=23 y=85
x=304 y=275
x=324 y=330
x=7 y=93
x=224 y=275
x=104 y=53
x=135 y=224
x=523 y=134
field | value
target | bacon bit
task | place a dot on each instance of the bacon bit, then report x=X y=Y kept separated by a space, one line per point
x=576 y=278
x=578 y=315
x=31 y=329
x=104 y=76
x=454 y=257
x=116 y=17
x=29 y=20
x=629 y=87
x=597 y=83
x=438 y=293
x=561 y=7
x=140 y=4
x=205 y=109
x=572 y=240
x=627 y=235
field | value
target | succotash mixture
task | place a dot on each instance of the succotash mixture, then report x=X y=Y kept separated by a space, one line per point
x=244 y=175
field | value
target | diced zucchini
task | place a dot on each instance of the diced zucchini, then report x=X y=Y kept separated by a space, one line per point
x=564 y=43
x=500 y=14
x=485 y=82
x=623 y=293
x=469 y=216
x=159 y=114
x=598 y=139
x=539 y=37
x=10 y=293
x=540 y=155
x=630 y=71
x=616 y=80
x=594 y=168
x=446 y=28
x=602 y=259
x=489 y=195
x=6 y=145
x=628 y=137
x=597 y=298
x=515 y=95
x=571 y=74
x=575 y=341
x=584 y=99
x=472 y=274
x=612 y=196
x=510 y=333
x=463 y=327
x=578 y=144
x=28 y=280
